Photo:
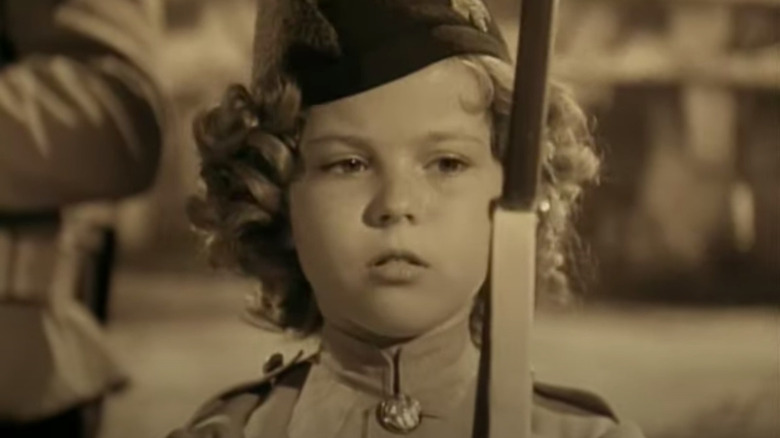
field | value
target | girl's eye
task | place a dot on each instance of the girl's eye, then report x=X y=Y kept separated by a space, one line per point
x=346 y=166
x=450 y=165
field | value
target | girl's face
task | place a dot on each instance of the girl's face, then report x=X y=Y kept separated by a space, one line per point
x=391 y=215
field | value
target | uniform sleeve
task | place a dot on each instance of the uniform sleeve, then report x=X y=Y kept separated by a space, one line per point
x=225 y=420
x=80 y=116
x=563 y=412
x=624 y=430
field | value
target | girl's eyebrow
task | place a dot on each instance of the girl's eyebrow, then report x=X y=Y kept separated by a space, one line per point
x=431 y=137
x=346 y=139
x=455 y=135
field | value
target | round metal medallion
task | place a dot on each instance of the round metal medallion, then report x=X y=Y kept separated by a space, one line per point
x=401 y=414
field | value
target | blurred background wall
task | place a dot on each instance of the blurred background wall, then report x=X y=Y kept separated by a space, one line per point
x=684 y=229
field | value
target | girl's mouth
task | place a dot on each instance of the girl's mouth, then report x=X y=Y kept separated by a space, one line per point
x=396 y=267
x=394 y=256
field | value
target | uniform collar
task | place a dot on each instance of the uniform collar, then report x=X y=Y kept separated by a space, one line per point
x=434 y=368
x=350 y=377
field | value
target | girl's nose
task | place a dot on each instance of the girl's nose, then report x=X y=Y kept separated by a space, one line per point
x=398 y=199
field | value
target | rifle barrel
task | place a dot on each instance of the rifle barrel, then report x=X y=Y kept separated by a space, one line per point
x=523 y=151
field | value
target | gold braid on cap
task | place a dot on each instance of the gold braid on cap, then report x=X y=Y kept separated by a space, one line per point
x=475 y=11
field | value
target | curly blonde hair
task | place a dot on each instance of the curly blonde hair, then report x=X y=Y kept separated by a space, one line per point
x=248 y=150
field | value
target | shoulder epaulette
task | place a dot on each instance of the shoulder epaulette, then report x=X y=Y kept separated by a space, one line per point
x=275 y=372
x=580 y=401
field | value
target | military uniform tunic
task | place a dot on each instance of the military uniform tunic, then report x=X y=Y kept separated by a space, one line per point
x=335 y=393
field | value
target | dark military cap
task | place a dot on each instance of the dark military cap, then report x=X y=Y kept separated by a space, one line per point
x=337 y=48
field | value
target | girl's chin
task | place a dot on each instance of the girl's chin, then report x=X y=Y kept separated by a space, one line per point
x=386 y=331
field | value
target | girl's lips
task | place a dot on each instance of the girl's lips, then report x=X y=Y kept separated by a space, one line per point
x=396 y=271
x=397 y=255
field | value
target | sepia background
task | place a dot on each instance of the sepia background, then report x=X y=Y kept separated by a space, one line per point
x=679 y=326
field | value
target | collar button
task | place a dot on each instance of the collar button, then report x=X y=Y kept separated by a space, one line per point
x=400 y=414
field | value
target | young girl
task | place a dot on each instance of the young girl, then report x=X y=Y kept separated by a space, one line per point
x=356 y=181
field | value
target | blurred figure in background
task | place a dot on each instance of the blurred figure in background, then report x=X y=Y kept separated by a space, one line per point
x=79 y=122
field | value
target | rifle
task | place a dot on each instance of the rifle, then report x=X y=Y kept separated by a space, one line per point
x=506 y=367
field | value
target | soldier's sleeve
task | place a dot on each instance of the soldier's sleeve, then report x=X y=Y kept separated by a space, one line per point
x=80 y=116
x=624 y=430
x=563 y=412
x=226 y=415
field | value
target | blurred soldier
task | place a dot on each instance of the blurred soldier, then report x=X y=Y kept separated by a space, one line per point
x=79 y=122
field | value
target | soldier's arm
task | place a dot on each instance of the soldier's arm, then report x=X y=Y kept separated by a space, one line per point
x=624 y=430
x=79 y=114
x=564 y=412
